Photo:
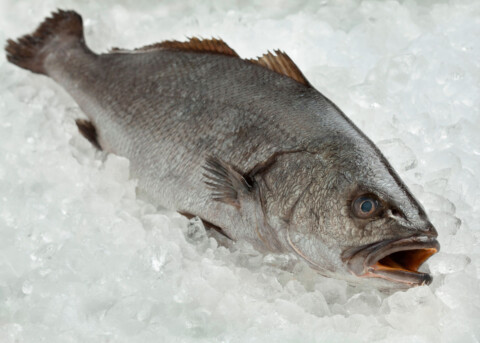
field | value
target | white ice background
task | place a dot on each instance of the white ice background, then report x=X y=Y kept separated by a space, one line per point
x=82 y=259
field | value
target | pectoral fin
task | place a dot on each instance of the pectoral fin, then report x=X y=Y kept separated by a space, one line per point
x=226 y=183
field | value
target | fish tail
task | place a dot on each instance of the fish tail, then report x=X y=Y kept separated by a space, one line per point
x=62 y=30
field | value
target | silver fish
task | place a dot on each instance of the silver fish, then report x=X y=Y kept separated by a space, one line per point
x=249 y=146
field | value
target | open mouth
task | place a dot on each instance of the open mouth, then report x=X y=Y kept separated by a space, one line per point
x=395 y=260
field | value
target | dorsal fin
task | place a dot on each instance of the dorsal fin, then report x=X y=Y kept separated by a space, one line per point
x=282 y=64
x=278 y=61
x=117 y=49
x=213 y=45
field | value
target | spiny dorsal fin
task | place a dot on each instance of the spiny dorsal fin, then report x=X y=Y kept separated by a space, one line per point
x=88 y=131
x=213 y=45
x=282 y=64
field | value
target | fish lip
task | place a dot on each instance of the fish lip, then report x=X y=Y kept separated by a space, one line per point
x=366 y=261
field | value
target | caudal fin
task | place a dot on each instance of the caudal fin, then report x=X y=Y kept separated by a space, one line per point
x=29 y=51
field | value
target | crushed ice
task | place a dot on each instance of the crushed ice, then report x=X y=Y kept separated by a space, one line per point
x=83 y=259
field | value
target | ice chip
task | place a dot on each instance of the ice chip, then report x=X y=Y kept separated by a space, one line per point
x=116 y=168
x=398 y=153
x=366 y=303
x=196 y=230
x=418 y=307
x=445 y=263
x=27 y=287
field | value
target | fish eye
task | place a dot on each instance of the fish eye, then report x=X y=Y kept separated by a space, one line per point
x=365 y=206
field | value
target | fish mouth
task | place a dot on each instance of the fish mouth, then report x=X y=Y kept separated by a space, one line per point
x=395 y=260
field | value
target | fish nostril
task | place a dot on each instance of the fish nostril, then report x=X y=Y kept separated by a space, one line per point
x=431 y=230
x=396 y=213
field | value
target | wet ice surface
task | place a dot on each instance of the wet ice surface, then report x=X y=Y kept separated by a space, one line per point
x=83 y=259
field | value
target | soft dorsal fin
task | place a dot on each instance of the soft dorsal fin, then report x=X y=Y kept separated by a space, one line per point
x=213 y=45
x=282 y=64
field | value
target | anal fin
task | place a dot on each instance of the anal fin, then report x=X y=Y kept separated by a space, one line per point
x=88 y=131
x=207 y=224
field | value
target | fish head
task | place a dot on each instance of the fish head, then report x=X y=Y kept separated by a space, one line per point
x=390 y=233
x=351 y=217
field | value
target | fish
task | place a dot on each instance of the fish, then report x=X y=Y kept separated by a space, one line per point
x=249 y=146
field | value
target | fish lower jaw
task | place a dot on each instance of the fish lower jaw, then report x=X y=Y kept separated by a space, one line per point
x=411 y=278
x=396 y=261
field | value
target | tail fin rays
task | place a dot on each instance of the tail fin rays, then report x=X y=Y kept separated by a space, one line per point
x=29 y=51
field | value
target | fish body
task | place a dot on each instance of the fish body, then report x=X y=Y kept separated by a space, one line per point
x=250 y=147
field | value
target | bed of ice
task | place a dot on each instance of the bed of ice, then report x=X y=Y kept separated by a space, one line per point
x=82 y=259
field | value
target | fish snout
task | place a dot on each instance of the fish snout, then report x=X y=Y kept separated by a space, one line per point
x=407 y=229
x=430 y=231
x=426 y=230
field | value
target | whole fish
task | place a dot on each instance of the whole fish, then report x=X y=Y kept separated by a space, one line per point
x=249 y=146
